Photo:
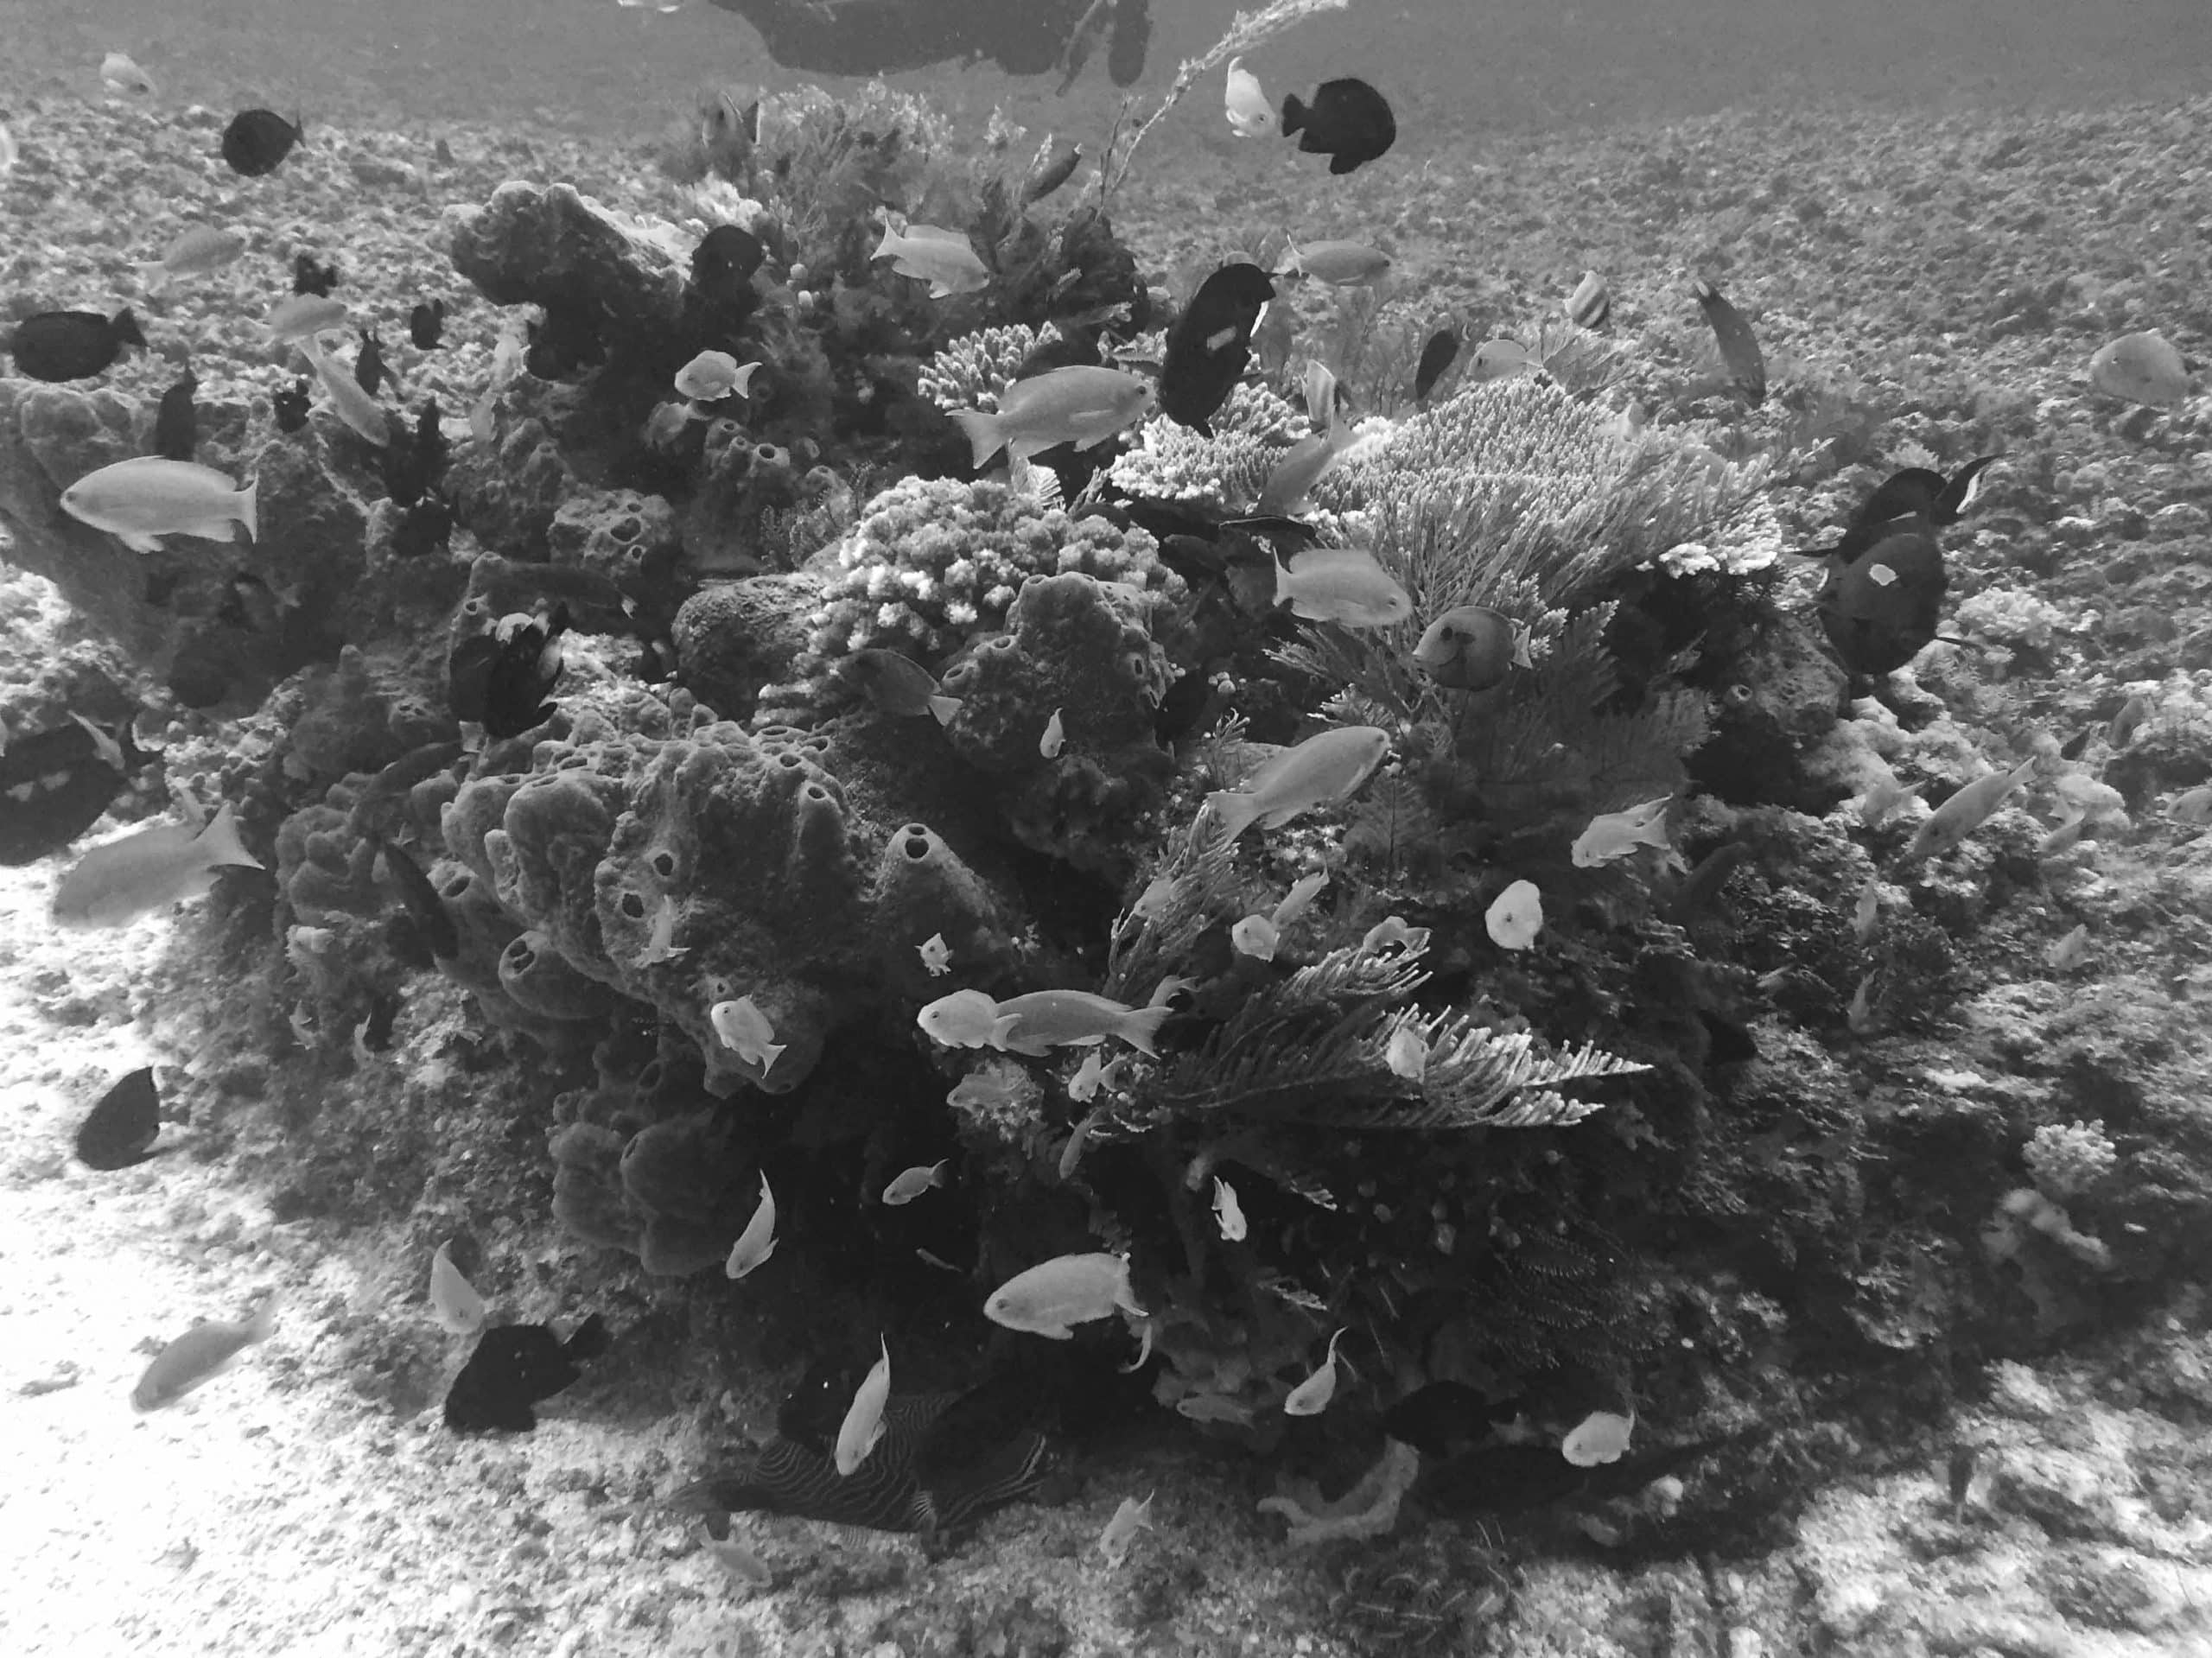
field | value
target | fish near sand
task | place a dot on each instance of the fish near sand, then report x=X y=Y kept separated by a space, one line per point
x=1600 y=1438
x=1210 y=346
x=1472 y=648
x=1130 y=1517
x=1081 y=404
x=1739 y=347
x=148 y=869
x=941 y=259
x=512 y=1369
x=899 y=684
x=120 y=1130
x=146 y=497
x=455 y=1304
x=1348 y=121
x=1052 y=1297
x=1250 y=115
x=2141 y=368
x=426 y=324
x=119 y=74
x=55 y=784
x=303 y=316
x=1340 y=265
x=61 y=346
x=1343 y=585
x=1325 y=768
x=1613 y=835
x=200 y=1354
x=1967 y=810
x=196 y=250
x=862 y=1428
x=358 y=408
x=256 y=142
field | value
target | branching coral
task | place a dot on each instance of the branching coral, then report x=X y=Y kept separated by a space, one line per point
x=971 y=372
x=1170 y=462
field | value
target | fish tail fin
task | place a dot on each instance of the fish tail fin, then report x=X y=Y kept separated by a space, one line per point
x=1140 y=1026
x=263 y=1323
x=126 y=327
x=1293 y=113
x=984 y=436
x=249 y=513
x=885 y=247
x=155 y=276
x=299 y=128
x=1282 y=583
x=588 y=1341
x=1235 y=810
x=220 y=840
x=944 y=707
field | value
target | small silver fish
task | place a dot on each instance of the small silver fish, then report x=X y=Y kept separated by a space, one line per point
x=913 y=1182
x=1227 y=1211
x=740 y=1562
x=359 y=410
x=196 y=250
x=758 y=1242
x=1071 y=1152
x=1255 y=936
x=661 y=945
x=1868 y=913
x=148 y=869
x=1515 y=915
x=2070 y=952
x=1080 y=404
x=305 y=316
x=1964 y=812
x=119 y=74
x=1613 y=835
x=1312 y=1396
x=2194 y=808
x=863 y=1425
x=1130 y=1518
x=1325 y=768
x=202 y=1353
x=1858 y=1017
x=1341 y=264
x=141 y=500
x=1038 y=1022
x=1600 y=1437
x=713 y=375
x=936 y=954
x=455 y=1304
x=1055 y=737
x=943 y=258
x=745 y=1031
x=1052 y=1297
x=1407 y=1053
x=1343 y=585
x=1245 y=103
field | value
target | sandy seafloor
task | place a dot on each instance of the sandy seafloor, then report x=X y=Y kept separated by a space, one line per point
x=290 y=1507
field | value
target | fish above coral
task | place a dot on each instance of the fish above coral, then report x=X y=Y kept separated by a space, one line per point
x=201 y=1355
x=1210 y=346
x=943 y=258
x=1327 y=767
x=1245 y=103
x=196 y=250
x=120 y=1130
x=1079 y=405
x=146 y=497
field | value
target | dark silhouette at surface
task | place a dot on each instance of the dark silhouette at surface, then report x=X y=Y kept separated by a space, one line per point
x=871 y=37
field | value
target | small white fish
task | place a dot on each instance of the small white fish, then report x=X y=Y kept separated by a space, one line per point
x=151 y=867
x=1297 y=901
x=142 y=499
x=1154 y=899
x=455 y=1304
x=9 y=154
x=2070 y=952
x=1214 y=1407
x=196 y=250
x=936 y=955
x=202 y=1353
x=1228 y=1212
x=1319 y=771
x=1081 y=404
x=1312 y=1396
x=713 y=375
x=740 y=1562
x=1343 y=585
x=359 y=410
x=120 y=74
x=305 y=316
x=1244 y=102
x=943 y=258
x=1055 y=737
x=1129 y=1519
x=1407 y=1053
x=1868 y=913
x=758 y=1242
x=998 y=1085
x=1052 y=1297
x=1600 y=1437
x=863 y=1424
x=1341 y=264
x=661 y=946
x=913 y=1182
x=1304 y=463
x=745 y=1031
x=1255 y=936
x=1083 y=1087
x=1515 y=915
x=1072 y=1153
x=1391 y=932
x=1034 y=1024
x=1615 y=834
x=1500 y=359
x=1966 y=812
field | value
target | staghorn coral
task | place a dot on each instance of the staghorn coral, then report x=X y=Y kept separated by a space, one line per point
x=1170 y=462
x=971 y=372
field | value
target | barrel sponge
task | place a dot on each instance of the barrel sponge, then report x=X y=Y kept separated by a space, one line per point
x=587 y=1193
x=923 y=891
x=695 y=1191
x=324 y=868
x=477 y=808
x=545 y=856
x=540 y=981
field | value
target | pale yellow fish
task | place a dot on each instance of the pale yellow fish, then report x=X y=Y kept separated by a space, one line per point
x=1406 y=1054
x=1038 y=1022
x=1345 y=585
x=936 y=955
x=1323 y=770
x=1500 y=359
x=1966 y=812
x=195 y=250
x=1130 y=1518
x=202 y=1353
x=305 y=316
x=1341 y=264
x=1245 y=103
x=1083 y=1087
x=1255 y=936
x=1052 y=1297
x=1613 y=835
x=745 y=1030
x=1515 y=915
x=1055 y=737
x=734 y=1557
x=455 y=1304
x=1227 y=1211
x=142 y=499
x=1071 y=1152
x=943 y=258
x=1304 y=463
x=1081 y=404
x=359 y=410
x=758 y=1242
x=1600 y=1437
x=912 y=1183
x=149 y=869
x=1312 y=1396
x=119 y=74
x=713 y=375
x=2070 y=952
x=2141 y=368
x=863 y=1425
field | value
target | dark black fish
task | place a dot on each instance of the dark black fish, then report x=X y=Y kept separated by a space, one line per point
x=1514 y=1478
x=501 y=678
x=1881 y=609
x=414 y=464
x=1348 y=121
x=1943 y=501
x=59 y=345
x=725 y=259
x=176 y=423
x=426 y=324
x=257 y=141
x=1056 y=171
x=290 y=405
x=1739 y=347
x=120 y=1130
x=1210 y=344
x=1436 y=359
x=55 y=784
x=368 y=372
x=1442 y=1417
x=422 y=902
x=512 y=1367
x=2073 y=748
x=311 y=275
x=252 y=606
x=1125 y=54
